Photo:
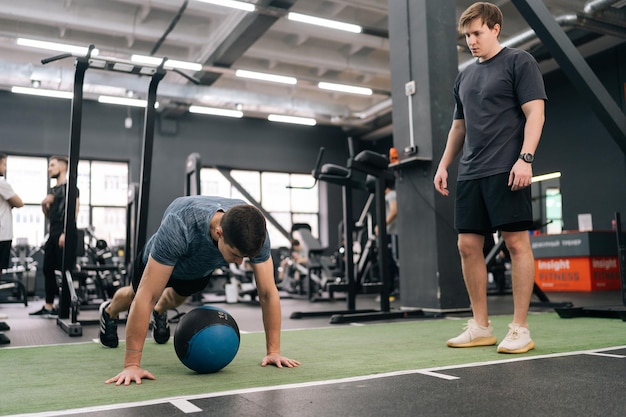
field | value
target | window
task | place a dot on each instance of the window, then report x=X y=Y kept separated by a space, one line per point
x=29 y=178
x=554 y=211
x=103 y=198
x=274 y=192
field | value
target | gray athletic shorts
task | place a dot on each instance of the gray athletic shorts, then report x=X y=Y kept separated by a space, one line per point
x=183 y=287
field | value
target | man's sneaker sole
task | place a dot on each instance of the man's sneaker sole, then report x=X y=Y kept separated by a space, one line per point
x=479 y=341
x=530 y=346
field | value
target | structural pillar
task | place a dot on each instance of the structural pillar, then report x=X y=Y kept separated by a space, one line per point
x=423 y=57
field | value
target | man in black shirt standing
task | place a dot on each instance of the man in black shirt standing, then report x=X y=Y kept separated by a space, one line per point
x=498 y=120
x=53 y=207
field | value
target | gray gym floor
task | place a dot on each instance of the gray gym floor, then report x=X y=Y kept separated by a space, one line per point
x=587 y=383
x=538 y=386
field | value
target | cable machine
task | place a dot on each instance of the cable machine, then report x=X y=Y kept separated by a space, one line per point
x=376 y=166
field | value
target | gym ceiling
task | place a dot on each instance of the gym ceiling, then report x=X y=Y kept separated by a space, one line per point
x=224 y=40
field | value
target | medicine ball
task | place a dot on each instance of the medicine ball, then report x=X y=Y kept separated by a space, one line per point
x=206 y=339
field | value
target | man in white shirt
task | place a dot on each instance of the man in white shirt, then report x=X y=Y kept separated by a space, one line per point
x=8 y=200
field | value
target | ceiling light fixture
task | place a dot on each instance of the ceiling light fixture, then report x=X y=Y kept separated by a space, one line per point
x=266 y=77
x=54 y=46
x=124 y=101
x=318 y=21
x=213 y=111
x=170 y=63
x=42 y=92
x=291 y=119
x=345 y=88
x=239 y=5
x=546 y=177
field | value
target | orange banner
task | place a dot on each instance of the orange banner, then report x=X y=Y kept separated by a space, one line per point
x=578 y=274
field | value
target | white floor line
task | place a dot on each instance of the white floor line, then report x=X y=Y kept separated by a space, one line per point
x=438 y=375
x=606 y=355
x=185 y=406
x=434 y=372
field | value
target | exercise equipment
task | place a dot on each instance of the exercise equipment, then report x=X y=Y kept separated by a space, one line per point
x=375 y=165
x=130 y=248
x=99 y=272
x=206 y=339
x=11 y=280
x=18 y=281
x=609 y=312
x=69 y=300
x=341 y=176
x=193 y=166
x=320 y=272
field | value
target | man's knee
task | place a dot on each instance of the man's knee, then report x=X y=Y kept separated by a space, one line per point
x=517 y=243
x=125 y=293
x=470 y=245
x=172 y=298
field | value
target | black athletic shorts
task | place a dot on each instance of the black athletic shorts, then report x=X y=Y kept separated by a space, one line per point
x=487 y=204
x=183 y=287
x=5 y=254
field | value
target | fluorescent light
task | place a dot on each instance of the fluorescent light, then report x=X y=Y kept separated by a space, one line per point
x=265 y=77
x=291 y=119
x=215 y=111
x=54 y=46
x=546 y=177
x=333 y=24
x=170 y=63
x=124 y=101
x=345 y=88
x=42 y=92
x=239 y=5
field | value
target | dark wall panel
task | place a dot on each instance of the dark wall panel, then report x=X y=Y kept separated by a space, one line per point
x=40 y=127
x=577 y=144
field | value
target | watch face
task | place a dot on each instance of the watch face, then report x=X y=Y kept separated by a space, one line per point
x=527 y=157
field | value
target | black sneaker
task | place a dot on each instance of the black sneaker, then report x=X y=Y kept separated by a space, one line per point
x=161 y=329
x=108 y=328
x=44 y=312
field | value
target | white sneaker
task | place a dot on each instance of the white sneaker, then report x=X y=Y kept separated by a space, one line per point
x=517 y=340
x=473 y=335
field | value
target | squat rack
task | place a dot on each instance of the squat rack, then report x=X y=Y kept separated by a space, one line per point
x=68 y=302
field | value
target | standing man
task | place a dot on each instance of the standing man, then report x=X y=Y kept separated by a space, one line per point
x=8 y=200
x=197 y=235
x=498 y=119
x=53 y=207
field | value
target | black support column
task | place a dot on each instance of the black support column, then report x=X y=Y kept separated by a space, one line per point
x=422 y=35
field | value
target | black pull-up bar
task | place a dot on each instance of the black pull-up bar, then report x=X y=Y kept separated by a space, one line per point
x=82 y=64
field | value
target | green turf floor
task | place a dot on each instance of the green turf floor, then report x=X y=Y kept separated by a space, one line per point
x=35 y=379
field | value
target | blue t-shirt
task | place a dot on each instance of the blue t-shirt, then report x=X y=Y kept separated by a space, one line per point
x=183 y=238
x=489 y=96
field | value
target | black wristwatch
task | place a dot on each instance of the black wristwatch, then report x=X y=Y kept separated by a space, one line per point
x=527 y=157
